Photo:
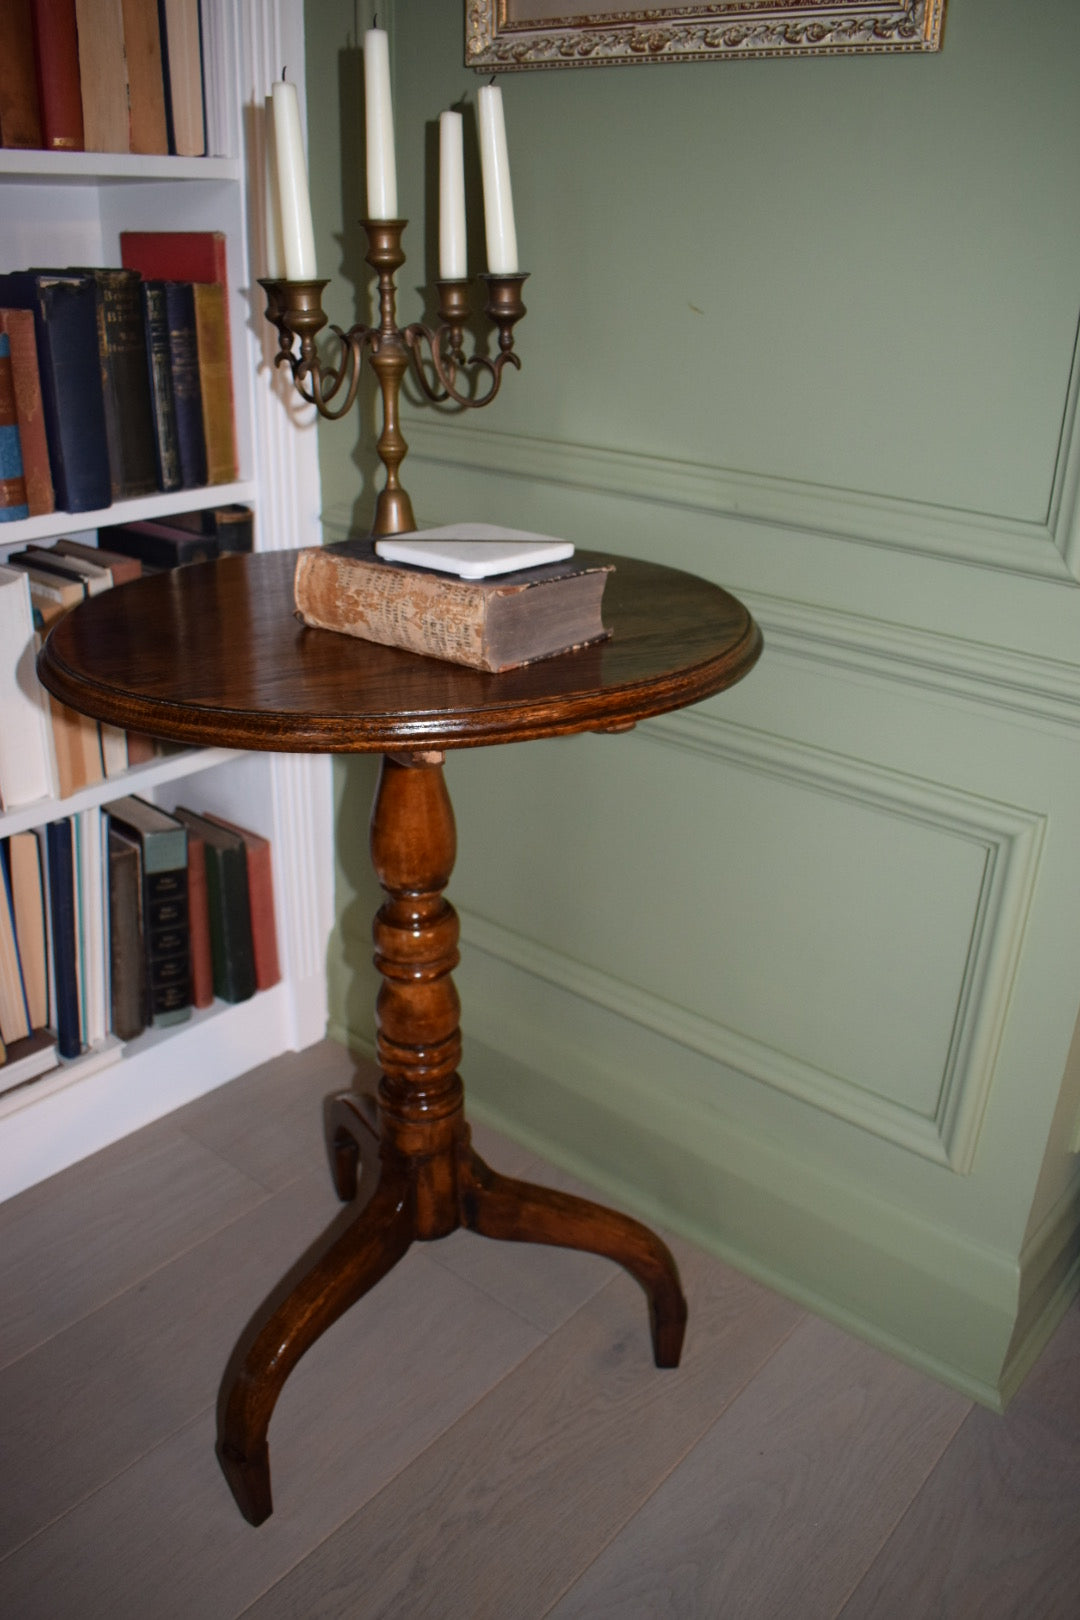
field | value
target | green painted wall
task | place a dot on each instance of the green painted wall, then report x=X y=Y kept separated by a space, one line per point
x=797 y=972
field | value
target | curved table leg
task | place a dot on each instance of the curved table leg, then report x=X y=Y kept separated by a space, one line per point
x=351 y=1128
x=499 y=1206
x=339 y=1268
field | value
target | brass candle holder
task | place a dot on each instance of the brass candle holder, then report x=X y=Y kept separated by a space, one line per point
x=436 y=355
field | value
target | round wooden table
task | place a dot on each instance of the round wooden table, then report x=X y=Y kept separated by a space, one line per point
x=213 y=654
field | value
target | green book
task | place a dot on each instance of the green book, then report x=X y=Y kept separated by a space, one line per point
x=162 y=841
x=232 y=948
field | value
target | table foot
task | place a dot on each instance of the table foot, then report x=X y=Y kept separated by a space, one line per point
x=351 y=1128
x=336 y=1271
x=499 y=1206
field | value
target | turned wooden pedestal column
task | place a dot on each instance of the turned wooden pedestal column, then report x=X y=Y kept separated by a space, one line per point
x=151 y=656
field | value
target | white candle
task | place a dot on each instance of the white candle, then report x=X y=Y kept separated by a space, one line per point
x=275 y=246
x=297 y=235
x=379 y=125
x=451 y=198
x=495 y=171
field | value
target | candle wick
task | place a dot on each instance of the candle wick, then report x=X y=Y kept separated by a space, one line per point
x=491 y=81
x=283 y=73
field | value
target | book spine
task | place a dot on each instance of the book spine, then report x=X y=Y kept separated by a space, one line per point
x=231 y=944
x=13 y=501
x=66 y=326
x=215 y=381
x=62 y=932
x=127 y=949
x=125 y=384
x=187 y=392
x=159 y=547
x=159 y=366
x=103 y=75
x=20 y=112
x=181 y=49
x=202 y=961
x=57 y=54
x=165 y=921
x=19 y=326
x=443 y=618
x=146 y=83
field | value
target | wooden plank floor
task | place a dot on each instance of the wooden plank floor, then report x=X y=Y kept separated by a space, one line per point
x=484 y=1437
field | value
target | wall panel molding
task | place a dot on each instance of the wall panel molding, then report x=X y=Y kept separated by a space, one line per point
x=1009 y=841
x=1049 y=549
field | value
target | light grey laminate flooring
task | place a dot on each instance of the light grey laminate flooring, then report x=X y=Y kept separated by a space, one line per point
x=484 y=1437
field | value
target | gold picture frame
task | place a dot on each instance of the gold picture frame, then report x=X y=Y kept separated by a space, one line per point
x=503 y=35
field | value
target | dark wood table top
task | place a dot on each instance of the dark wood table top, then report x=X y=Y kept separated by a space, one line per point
x=213 y=654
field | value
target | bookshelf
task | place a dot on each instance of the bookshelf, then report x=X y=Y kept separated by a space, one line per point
x=69 y=209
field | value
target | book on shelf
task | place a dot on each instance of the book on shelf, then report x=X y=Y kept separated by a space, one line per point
x=181 y=44
x=56 y=53
x=125 y=381
x=76 y=738
x=260 y=876
x=91 y=927
x=20 y=111
x=27 y=1059
x=29 y=409
x=202 y=961
x=28 y=905
x=147 y=127
x=65 y=322
x=103 y=75
x=494 y=624
x=121 y=568
x=162 y=842
x=13 y=501
x=187 y=387
x=127 y=960
x=27 y=754
x=14 y=1011
x=161 y=545
x=160 y=374
x=232 y=947
x=60 y=877
x=215 y=381
x=232 y=525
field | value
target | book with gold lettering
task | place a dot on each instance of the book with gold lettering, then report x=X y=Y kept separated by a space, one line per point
x=491 y=624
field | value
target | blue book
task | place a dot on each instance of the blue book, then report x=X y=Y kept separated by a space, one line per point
x=65 y=324
x=187 y=387
x=62 y=922
x=13 y=502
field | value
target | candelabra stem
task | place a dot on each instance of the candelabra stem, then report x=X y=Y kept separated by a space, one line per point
x=390 y=361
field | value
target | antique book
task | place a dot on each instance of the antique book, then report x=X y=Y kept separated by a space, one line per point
x=65 y=323
x=28 y=905
x=163 y=847
x=194 y=256
x=215 y=381
x=260 y=875
x=202 y=960
x=146 y=83
x=20 y=112
x=187 y=390
x=181 y=48
x=27 y=757
x=61 y=885
x=127 y=955
x=14 y=1012
x=161 y=545
x=76 y=738
x=125 y=382
x=494 y=625
x=30 y=409
x=91 y=925
x=232 y=525
x=103 y=75
x=120 y=567
x=13 y=502
x=231 y=946
x=56 y=49
x=159 y=372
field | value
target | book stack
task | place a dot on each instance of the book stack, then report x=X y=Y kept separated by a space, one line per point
x=116 y=381
x=121 y=918
x=102 y=76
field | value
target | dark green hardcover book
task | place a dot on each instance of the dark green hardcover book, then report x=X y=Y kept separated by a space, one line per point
x=166 y=938
x=187 y=387
x=231 y=946
x=159 y=370
x=125 y=383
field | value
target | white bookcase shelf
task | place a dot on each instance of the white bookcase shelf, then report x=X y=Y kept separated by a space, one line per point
x=69 y=209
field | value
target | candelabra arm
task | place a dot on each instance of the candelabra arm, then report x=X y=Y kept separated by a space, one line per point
x=444 y=343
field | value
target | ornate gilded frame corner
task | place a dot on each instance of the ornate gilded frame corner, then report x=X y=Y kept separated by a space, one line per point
x=500 y=36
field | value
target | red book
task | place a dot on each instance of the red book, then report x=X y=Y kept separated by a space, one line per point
x=261 y=899
x=56 y=42
x=20 y=112
x=19 y=326
x=202 y=966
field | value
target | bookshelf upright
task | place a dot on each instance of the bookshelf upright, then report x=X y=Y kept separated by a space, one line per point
x=69 y=208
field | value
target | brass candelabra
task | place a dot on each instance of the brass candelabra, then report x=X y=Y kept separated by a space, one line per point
x=436 y=355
